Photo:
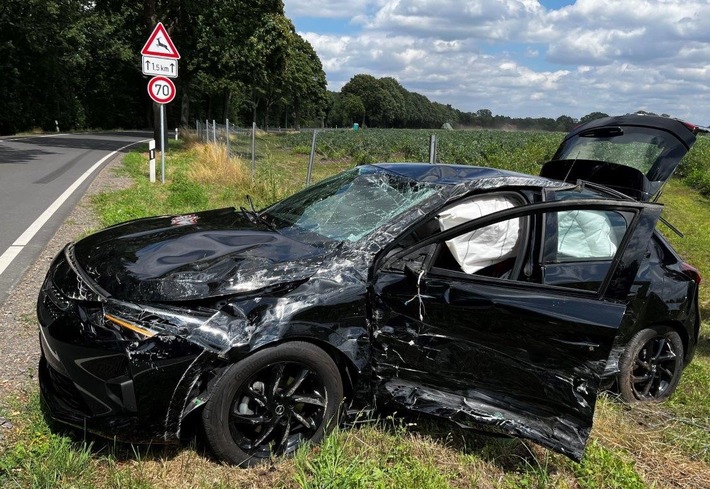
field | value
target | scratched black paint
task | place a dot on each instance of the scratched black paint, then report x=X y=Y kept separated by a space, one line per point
x=511 y=355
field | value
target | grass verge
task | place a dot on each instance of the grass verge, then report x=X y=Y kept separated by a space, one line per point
x=631 y=446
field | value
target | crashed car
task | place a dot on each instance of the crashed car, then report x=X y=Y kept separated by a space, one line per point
x=493 y=299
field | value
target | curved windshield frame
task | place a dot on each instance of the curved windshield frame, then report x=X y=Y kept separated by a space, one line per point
x=352 y=204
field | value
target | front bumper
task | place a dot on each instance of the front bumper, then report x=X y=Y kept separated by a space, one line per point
x=96 y=376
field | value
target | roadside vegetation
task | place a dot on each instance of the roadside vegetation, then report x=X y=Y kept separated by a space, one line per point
x=632 y=446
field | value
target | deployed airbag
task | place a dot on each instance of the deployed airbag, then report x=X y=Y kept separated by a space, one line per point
x=585 y=234
x=485 y=246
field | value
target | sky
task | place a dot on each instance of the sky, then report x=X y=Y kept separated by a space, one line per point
x=522 y=58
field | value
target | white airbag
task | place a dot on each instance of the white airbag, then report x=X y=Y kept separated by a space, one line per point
x=585 y=234
x=486 y=246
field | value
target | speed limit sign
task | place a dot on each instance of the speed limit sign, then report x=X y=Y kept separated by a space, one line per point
x=161 y=89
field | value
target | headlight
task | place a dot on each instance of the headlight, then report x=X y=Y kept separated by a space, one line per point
x=69 y=282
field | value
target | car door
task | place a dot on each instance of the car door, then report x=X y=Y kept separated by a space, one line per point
x=505 y=347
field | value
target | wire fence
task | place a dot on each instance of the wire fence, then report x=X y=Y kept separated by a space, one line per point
x=240 y=142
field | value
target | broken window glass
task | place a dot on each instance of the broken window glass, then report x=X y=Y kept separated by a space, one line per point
x=351 y=205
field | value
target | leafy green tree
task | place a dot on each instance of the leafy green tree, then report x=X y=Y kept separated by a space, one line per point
x=592 y=116
x=42 y=59
x=305 y=83
x=565 y=123
x=346 y=110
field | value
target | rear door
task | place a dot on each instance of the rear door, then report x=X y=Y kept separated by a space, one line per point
x=505 y=347
x=633 y=154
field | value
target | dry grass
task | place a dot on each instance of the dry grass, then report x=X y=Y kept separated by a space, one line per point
x=214 y=167
x=641 y=432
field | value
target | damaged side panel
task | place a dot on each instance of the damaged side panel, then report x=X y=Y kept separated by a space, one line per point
x=514 y=362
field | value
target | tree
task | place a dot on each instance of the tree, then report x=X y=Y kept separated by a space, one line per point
x=346 y=110
x=565 y=123
x=42 y=60
x=305 y=90
x=592 y=116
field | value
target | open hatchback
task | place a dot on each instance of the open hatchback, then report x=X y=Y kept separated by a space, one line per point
x=633 y=154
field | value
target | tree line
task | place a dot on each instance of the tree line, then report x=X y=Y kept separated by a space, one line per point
x=78 y=62
x=383 y=102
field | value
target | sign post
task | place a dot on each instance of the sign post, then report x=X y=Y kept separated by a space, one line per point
x=160 y=59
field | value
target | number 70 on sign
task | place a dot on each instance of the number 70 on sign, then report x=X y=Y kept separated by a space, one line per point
x=161 y=89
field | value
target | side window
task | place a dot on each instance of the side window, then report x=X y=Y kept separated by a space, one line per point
x=579 y=246
x=583 y=235
x=488 y=251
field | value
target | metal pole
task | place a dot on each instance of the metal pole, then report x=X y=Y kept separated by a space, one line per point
x=253 y=149
x=311 y=158
x=226 y=125
x=214 y=131
x=432 y=149
x=162 y=143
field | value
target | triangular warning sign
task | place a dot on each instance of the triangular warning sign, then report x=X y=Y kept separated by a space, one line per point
x=159 y=44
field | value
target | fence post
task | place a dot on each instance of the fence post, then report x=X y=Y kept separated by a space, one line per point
x=311 y=158
x=214 y=131
x=176 y=134
x=226 y=125
x=253 y=149
x=432 y=149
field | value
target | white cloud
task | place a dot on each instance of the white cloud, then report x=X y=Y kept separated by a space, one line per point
x=518 y=58
x=328 y=8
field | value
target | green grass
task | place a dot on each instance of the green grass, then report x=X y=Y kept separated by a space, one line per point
x=41 y=458
x=630 y=447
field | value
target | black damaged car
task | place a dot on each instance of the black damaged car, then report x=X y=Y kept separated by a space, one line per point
x=496 y=300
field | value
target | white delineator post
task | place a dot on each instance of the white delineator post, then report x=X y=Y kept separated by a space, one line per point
x=151 y=160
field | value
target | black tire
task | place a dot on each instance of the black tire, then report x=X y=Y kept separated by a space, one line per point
x=651 y=365
x=272 y=402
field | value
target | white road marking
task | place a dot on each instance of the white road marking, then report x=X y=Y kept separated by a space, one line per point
x=11 y=253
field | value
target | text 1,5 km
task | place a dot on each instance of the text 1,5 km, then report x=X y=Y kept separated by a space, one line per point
x=155 y=66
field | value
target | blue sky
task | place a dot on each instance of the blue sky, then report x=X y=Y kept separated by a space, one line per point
x=522 y=57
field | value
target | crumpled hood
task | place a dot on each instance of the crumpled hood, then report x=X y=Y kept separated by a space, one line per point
x=201 y=255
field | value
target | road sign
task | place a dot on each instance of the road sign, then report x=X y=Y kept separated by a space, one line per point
x=161 y=89
x=159 y=44
x=160 y=66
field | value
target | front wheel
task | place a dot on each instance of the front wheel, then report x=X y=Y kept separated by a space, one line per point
x=272 y=402
x=651 y=365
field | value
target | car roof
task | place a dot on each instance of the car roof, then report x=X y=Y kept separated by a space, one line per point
x=683 y=131
x=444 y=174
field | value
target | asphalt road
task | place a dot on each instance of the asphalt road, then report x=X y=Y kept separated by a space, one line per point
x=41 y=180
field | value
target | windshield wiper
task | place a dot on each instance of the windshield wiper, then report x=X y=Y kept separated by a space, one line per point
x=254 y=216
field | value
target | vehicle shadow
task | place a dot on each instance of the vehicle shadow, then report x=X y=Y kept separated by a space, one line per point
x=108 y=141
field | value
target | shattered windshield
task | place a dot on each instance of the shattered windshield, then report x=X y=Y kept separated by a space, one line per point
x=351 y=205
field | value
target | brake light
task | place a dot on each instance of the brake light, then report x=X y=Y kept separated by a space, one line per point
x=691 y=272
x=693 y=128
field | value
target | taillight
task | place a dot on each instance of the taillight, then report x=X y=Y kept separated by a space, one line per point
x=691 y=272
x=693 y=128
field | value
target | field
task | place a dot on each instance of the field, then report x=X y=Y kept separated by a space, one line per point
x=665 y=445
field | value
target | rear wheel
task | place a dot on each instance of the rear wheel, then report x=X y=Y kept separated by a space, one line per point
x=651 y=365
x=272 y=402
